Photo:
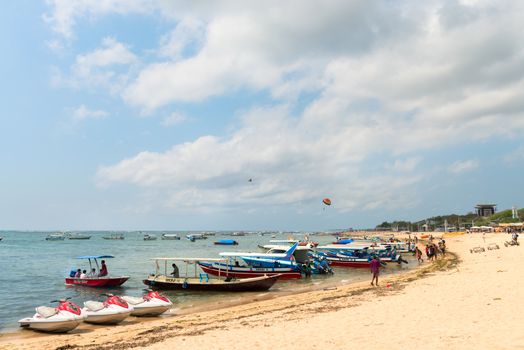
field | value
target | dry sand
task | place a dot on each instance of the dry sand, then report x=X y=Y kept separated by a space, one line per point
x=468 y=300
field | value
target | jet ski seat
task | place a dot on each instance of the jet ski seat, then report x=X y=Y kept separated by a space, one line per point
x=46 y=311
x=93 y=305
x=133 y=300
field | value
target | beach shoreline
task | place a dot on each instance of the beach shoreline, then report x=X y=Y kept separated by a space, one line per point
x=251 y=324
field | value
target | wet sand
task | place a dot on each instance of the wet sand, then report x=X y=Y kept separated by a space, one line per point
x=463 y=301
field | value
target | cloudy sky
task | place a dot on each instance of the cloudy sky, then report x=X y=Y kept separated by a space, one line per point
x=135 y=114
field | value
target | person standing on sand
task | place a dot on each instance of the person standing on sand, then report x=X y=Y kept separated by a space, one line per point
x=375 y=268
x=418 y=254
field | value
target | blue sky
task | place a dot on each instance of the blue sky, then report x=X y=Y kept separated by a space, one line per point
x=154 y=115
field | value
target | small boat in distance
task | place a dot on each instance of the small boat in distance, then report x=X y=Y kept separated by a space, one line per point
x=114 y=236
x=55 y=237
x=78 y=235
x=202 y=281
x=170 y=236
x=226 y=242
x=194 y=236
x=149 y=237
x=95 y=281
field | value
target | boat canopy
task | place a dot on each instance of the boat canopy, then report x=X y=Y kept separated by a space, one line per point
x=95 y=257
x=186 y=259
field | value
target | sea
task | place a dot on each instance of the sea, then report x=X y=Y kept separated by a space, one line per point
x=32 y=269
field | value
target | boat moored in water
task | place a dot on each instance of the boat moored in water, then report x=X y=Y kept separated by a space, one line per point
x=114 y=236
x=77 y=235
x=149 y=237
x=226 y=242
x=248 y=265
x=55 y=237
x=95 y=281
x=170 y=236
x=202 y=281
x=194 y=236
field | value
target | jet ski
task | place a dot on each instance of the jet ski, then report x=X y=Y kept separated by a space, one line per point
x=151 y=304
x=64 y=318
x=112 y=311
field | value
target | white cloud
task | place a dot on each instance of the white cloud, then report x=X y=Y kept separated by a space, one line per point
x=82 y=113
x=107 y=66
x=391 y=80
x=287 y=163
x=65 y=13
x=174 y=119
x=464 y=166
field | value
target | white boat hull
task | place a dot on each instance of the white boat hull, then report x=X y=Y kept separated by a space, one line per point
x=45 y=325
x=113 y=318
x=149 y=310
x=152 y=307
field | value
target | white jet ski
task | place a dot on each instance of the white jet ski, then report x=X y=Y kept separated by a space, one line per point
x=64 y=318
x=112 y=311
x=151 y=304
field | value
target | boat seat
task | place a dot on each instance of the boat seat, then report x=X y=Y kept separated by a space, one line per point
x=93 y=305
x=204 y=276
x=133 y=300
x=46 y=311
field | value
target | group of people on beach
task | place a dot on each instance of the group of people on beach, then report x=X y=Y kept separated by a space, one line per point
x=432 y=252
x=92 y=274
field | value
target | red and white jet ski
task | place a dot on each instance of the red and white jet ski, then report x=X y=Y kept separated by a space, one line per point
x=151 y=304
x=64 y=318
x=112 y=311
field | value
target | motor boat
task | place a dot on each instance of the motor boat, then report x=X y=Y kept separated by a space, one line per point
x=193 y=237
x=78 y=236
x=149 y=237
x=114 y=236
x=95 y=280
x=64 y=318
x=170 y=236
x=202 y=282
x=226 y=242
x=55 y=237
x=151 y=304
x=112 y=311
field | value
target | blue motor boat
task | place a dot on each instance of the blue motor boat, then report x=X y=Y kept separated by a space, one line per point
x=226 y=242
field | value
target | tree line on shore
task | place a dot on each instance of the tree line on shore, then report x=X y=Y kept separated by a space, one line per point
x=452 y=221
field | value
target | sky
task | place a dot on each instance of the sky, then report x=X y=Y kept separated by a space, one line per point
x=244 y=115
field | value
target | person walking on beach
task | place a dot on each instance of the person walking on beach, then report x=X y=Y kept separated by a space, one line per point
x=418 y=254
x=375 y=268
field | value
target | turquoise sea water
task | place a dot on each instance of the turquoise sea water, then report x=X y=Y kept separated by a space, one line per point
x=32 y=270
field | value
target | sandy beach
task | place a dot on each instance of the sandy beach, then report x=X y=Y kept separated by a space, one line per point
x=467 y=300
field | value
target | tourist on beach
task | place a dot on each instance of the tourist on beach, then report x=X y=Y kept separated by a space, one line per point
x=175 y=272
x=442 y=246
x=78 y=273
x=103 y=269
x=515 y=236
x=418 y=254
x=375 y=268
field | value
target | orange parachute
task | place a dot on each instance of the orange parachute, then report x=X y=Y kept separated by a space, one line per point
x=326 y=201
